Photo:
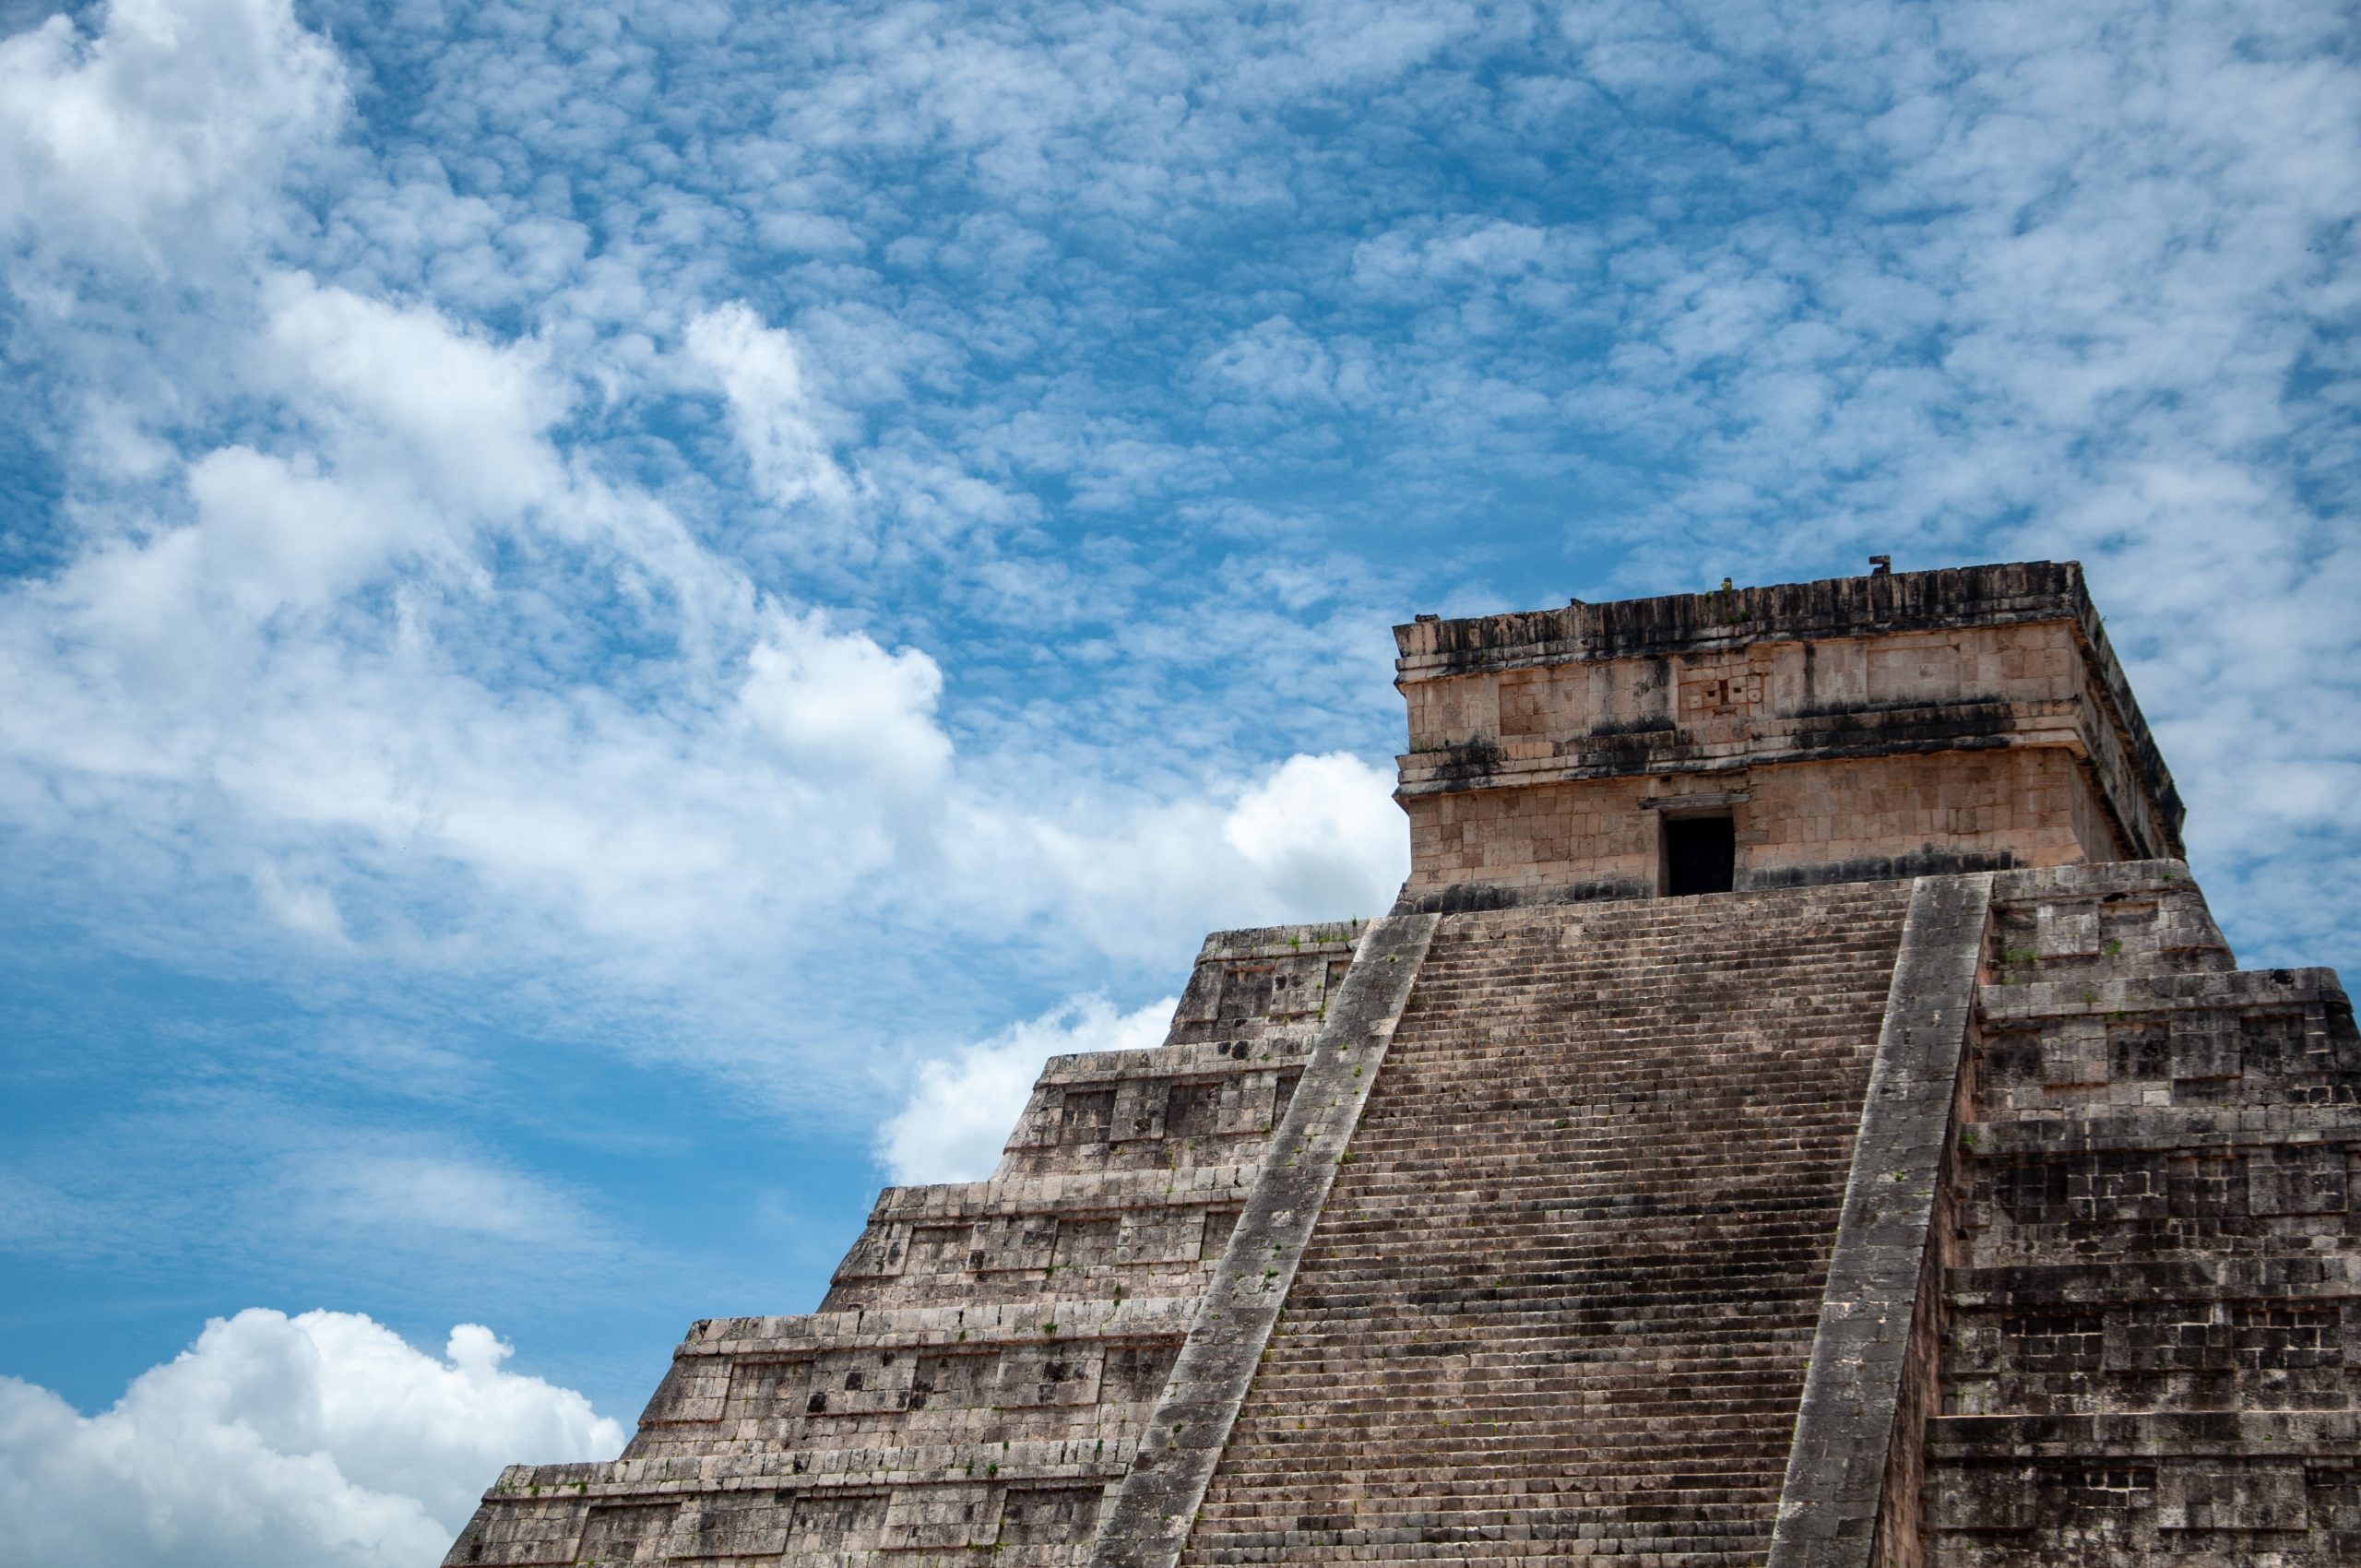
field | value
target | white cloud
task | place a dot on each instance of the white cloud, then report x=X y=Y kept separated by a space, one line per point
x=1279 y=362
x=372 y=713
x=422 y=433
x=321 y=1440
x=405 y=1197
x=405 y=394
x=370 y=639
x=839 y=705
x=338 y=643
x=271 y=533
x=306 y=908
x=171 y=124
x=1323 y=835
x=962 y=1107
x=776 y=419
x=1317 y=838
x=1416 y=257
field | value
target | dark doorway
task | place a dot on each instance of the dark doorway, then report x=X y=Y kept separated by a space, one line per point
x=1699 y=854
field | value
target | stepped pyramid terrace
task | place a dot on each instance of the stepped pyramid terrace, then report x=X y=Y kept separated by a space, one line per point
x=1800 y=1111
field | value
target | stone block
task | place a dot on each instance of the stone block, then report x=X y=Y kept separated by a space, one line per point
x=919 y=1518
x=2244 y=1496
x=634 y=1532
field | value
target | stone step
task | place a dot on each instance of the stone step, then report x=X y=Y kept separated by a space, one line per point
x=1580 y=1332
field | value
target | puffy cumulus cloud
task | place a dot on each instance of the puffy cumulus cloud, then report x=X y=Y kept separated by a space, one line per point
x=402 y=755
x=838 y=705
x=171 y=123
x=743 y=788
x=962 y=1107
x=322 y=1441
x=271 y=533
x=410 y=396
x=414 y=640
x=1323 y=835
x=349 y=677
x=379 y=607
x=410 y=437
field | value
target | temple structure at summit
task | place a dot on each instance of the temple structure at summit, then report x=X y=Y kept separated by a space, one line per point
x=1800 y=1111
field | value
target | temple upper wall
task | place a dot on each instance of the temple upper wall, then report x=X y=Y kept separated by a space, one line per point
x=1854 y=729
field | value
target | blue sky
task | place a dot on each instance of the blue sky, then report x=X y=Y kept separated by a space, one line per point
x=611 y=619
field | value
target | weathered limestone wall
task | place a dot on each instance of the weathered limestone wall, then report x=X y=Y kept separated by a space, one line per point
x=1857 y=729
x=1725 y=701
x=1798 y=824
x=2152 y=1345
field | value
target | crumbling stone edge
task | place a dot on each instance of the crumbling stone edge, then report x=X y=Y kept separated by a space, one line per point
x=1850 y=1498
x=1158 y=1500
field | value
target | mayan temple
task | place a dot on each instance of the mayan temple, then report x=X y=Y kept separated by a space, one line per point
x=1800 y=1111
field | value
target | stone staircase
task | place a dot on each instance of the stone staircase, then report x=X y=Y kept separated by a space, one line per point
x=2152 y=1340
x=1559 y=1301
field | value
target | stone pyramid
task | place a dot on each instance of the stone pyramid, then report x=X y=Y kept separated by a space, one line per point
x=1800 y=1111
